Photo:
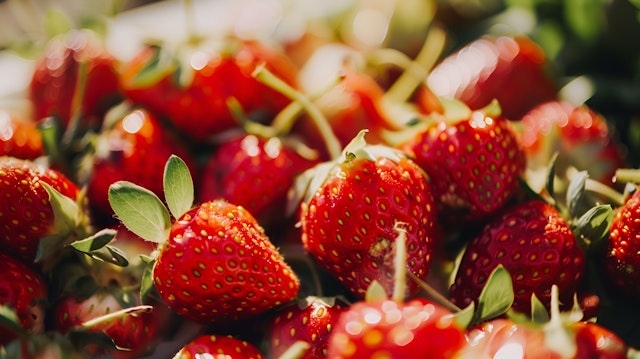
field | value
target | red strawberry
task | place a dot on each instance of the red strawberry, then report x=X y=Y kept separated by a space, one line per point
x=503 y=68
x=58 y=74
x=216 y=346
x=535 y=245
x=351 y=211
x=254 y=172
x=386 y=328
x=579 y=134
x=474 y=162
x=134 y=148
x=25 y=292
x=19 y=137
x=29 y=219
x=133 y=332
x=195 y=96
x=310 y=320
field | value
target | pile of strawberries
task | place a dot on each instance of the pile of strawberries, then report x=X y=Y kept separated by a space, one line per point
x=202 y=198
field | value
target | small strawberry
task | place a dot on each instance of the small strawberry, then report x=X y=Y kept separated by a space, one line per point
x=310 y=320
x=536 y=246
x=194 y=95
x=134 y=148
x=352 y=207
x=254 y=172
x=34 y=206
x=473 y=159
x=75 y=73
x=215 y=262
x=19 y=137
x=24 y=291
x=502 y=68
x=216 y=346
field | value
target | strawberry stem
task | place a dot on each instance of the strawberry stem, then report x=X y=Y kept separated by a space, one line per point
x=297 y=350
x=399 y=261
x=92 y=323
x=598 y=187
x=434 y=294
x=265 y=76
x=627 y=175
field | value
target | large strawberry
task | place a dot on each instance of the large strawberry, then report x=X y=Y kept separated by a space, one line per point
x=473 y=159
x=24 y=291
x=135 y=148
x=536 y=246
x=41 y=208
x=19 y=137
x=503 y=68
x=215 y=262
x=352 y=207
x=75 y=75
x=195 y=95
x=310 y=320
x=217 y=346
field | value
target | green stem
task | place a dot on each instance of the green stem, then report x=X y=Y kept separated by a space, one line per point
x=399 y=262
x=297 y=350
x=434 y=294
x=92 y=323
x=265 y=76
x=597 y=187
x=628 y=175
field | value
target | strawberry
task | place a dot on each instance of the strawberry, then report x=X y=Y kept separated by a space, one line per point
x=75 y=72
x=310 y=320
x=135 y=147
x=473 y=159
x=386 y=328
x=194 y=96
x=215 y=262
x=19 y=137
x=536 y=246
x=580 y=135
x=23 y=290
x=352 y=207
x=254 y=172
x=217 y=346
x=502 y=68
x=33 y=219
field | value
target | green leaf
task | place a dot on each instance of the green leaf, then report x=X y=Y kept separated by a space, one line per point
x=595 y=224
x=575 y=193
x=464 y=317
x=146 y=282
x=539 y=313
x=96 y=241
x=492 y=109
x=585 y=18
x=496 y=296
x=178 y=186
x=375 y=291
x=9 y=319
x=56 y=22
x=455 y=110
x=66 y=212
x=140 y=210
x=551 y=178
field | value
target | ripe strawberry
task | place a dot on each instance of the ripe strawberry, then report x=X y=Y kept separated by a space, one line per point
x=134 y=148
x=216 y=346
x=253 y=172
x=473 y=161
x=194 y=95
x=72 y=64
x=24 y=291
x=622 y=262
x=133 y=332
x=502 y=68
x=29 y=218
x=579 y=134
x=534 y=244
x=310 y=320
x=19 y=137
x=386 y=328
x=352 y=207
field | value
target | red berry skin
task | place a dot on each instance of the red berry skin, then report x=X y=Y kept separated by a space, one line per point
x=219 y=265
x=502 y=68
x=348 y=225
x=199 y=108
x=56 y=76
x=596 y=341
x=621 y=257
x=474 y=165
x=534 y=244
x=135 y=149
x=311 y=321
x=387 y=329
x=216 y=346
x=19 y=137
x=255 y=173
x=27 y=213
x=25 y=291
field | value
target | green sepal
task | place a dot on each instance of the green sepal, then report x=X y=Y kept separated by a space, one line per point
x=161 y=65
x=9 y=320
x=594 y=225
x=492 y=109
x=539 y=313
x=455 y=110
x=551 y=176
x=464 y=317
x=375 y=291
x=178 y=186
x=97 y=247
x=496 y=297
x=575 y=193
x=147 y=285
x=140 y=210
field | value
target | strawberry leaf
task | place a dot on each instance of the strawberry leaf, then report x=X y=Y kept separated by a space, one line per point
x=97 y=246
x=66 y=212
x=496 y=297
x=464 y=317
x=594 y=225
x=575 y=193
x=539 y=313
x=178 y=186
x=146 y=282
x=140 y=210
x=9 y=319
x=455 y=110
x=551 y=179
